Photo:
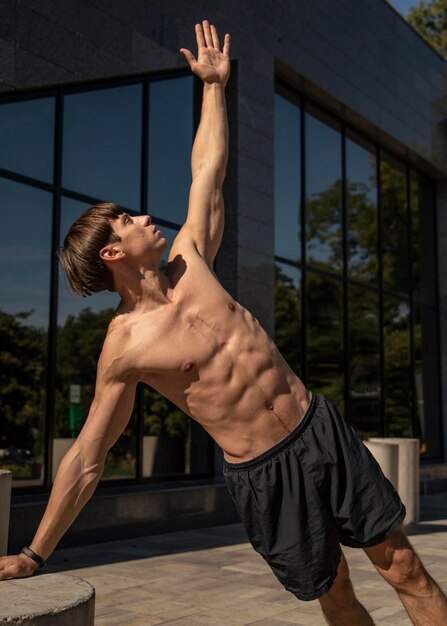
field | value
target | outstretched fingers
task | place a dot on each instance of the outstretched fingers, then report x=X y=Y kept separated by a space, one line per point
x=188 y=56
x=215 y=37
x=207 y=32
x=226 y=48
x=199 y=37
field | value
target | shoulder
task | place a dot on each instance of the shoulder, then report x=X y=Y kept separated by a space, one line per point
x=112 y=362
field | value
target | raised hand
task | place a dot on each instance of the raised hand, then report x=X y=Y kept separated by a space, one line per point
x=16 y=566
x=211 y=65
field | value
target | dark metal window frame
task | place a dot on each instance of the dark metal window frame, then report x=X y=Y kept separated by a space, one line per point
x=58 y=92
x=300 y=99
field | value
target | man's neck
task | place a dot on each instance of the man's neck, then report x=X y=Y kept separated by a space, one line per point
x=147 y=288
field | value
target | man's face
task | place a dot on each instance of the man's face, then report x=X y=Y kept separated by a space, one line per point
x=140 y=239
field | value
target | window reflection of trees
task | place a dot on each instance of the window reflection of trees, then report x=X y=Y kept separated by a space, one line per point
x=79 y=345
x=397 y=392
x=324 y=336
x=377 y=354
x=288 y=316
x=22 y=395
x=395 y=242
x=364 y=360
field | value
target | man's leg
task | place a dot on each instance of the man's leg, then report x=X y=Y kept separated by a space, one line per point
x=340 y=606
x=396 y=560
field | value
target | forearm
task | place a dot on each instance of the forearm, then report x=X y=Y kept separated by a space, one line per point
x=73 y=487
x=211 y=142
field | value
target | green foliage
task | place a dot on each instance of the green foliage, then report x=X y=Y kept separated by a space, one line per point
x=22 y=382
x=162 y=417
x=429 y=19
x=324 y=302
x=79 y=345
x=288 y=319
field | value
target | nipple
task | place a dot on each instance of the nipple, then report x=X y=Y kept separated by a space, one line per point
x=231 y=306
x=187 y=366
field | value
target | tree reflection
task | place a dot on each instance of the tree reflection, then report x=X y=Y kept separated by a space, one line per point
x=22 y=392
x=288 y=318
x=324 y=228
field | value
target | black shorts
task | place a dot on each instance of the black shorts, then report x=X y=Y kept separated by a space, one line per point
x=316 y=488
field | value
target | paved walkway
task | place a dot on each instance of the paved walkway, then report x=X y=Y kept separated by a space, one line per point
x=213 y=577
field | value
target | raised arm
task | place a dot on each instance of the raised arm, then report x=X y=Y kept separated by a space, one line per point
x=205 y=220
x=80 y=470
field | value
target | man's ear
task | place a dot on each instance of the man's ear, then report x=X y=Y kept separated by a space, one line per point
x=111 y=252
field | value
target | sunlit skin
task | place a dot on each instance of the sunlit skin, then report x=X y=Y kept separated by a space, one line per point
x=183 y=334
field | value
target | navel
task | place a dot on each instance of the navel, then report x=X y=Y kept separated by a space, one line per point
x=187 y=366
x=231 y=306
x=270 y=406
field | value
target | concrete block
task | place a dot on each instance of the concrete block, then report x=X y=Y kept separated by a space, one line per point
x=387 y=456
x=5 y=505
x=47 y=600
x=408 y=473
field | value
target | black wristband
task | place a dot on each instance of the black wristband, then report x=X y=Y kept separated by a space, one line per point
x=32 y=555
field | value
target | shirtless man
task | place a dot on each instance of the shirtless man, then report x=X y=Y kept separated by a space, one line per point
x=301 y=479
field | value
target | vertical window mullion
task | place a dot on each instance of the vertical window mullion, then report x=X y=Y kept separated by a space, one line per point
x=383 y=426
x=52 y=331
x=410 y=298
x=144 y=148
x=344 y=210
x=303 y=243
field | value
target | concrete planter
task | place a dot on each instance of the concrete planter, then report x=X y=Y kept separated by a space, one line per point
x=5 y=504
x=50 y=600
x=407 y=471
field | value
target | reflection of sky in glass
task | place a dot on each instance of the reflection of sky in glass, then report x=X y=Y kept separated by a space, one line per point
x=68 y=303
x=102 y=144
x=25 y=244
x=170 y=235
x=323 y=171
x=287 y=179
x=292 y=272
x=27 y=138
x=170 y=144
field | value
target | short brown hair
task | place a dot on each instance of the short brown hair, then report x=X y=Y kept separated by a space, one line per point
x=85 y=270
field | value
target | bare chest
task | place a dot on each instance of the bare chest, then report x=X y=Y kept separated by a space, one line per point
x=189 y=334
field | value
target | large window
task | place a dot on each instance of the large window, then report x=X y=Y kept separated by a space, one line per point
x=355 y=248
x=60 y=152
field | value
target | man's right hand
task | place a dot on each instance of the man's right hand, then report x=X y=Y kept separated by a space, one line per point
x=16 y=566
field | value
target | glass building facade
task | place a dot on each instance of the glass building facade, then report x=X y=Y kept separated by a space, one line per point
x=60 y=152
x=356 y=310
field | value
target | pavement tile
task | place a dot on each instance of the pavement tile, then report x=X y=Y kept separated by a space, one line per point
x=213 y=577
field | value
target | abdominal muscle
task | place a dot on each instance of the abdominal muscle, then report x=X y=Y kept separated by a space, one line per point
x=237 y=386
